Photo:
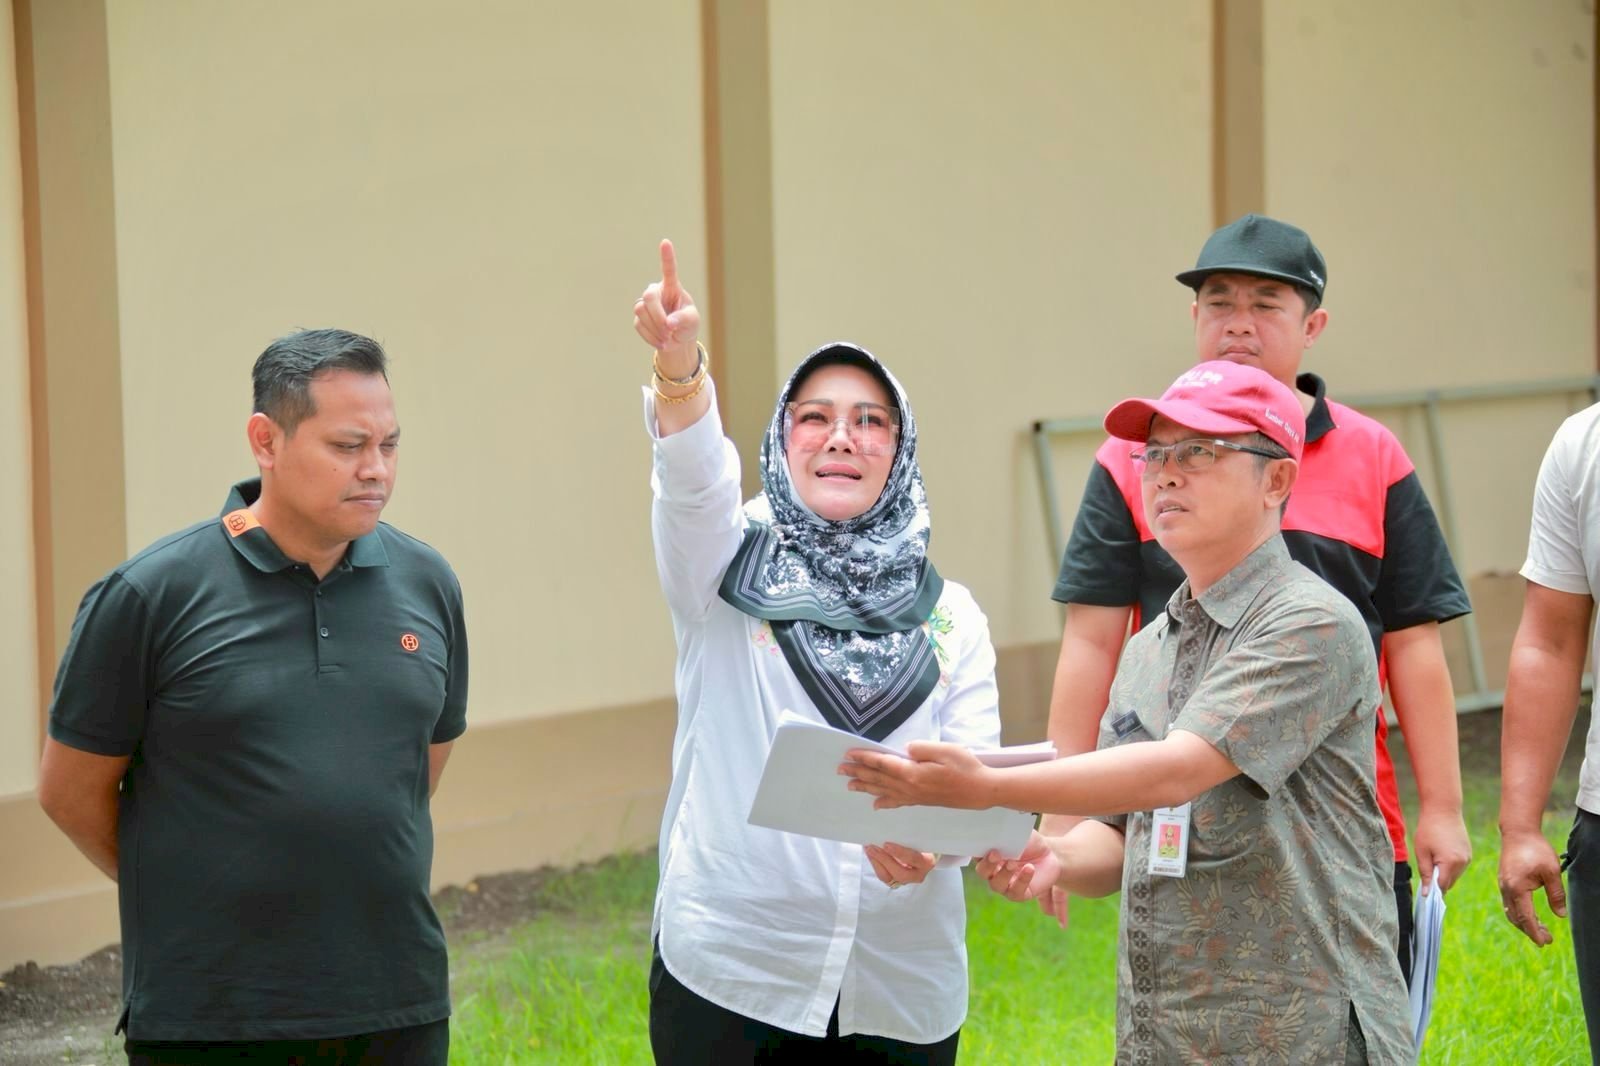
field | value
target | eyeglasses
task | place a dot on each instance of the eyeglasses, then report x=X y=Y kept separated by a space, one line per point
x=872 y=428
x=1194 y=454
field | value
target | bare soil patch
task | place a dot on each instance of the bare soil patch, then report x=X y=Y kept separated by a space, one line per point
x=50 y=1015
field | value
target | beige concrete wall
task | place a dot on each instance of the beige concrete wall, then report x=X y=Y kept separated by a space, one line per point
x=1442 y=156
x=482 y=192
x=75 y=304
x=19 y=691
x=77 y=490
x=992 y=198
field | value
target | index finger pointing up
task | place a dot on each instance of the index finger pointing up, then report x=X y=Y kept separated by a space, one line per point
x=669 y=269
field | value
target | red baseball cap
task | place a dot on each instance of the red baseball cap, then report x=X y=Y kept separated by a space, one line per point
x=1219 y=397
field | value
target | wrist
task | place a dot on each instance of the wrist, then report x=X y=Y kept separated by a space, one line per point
x=671 y=389
x=1519 y=826
x=679 y=365
x=989 y=790
x=1444 y=806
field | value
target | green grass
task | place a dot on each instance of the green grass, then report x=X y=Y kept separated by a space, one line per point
x=569 y=987
x=1501 y=999
x=1037 y=987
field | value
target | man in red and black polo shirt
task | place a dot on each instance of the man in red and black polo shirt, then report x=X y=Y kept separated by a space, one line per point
x=1358 y=518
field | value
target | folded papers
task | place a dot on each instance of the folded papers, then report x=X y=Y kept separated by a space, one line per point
x=801 y=791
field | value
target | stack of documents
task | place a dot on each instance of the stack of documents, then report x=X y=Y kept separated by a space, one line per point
x=801 y=791
x=1427 y=928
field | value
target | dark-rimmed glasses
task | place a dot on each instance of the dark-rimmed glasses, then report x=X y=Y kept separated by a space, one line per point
x=1193 y=454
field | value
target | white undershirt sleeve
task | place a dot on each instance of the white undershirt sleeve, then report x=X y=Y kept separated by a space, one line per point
x=1555 y=536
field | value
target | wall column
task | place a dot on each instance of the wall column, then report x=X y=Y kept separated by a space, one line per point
x=1238 y=168
x=20 y=641
x=80 y=527
x=739 y=237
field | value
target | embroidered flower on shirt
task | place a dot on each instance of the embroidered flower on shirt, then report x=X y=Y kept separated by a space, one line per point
x=764 y=639
x=939 y=625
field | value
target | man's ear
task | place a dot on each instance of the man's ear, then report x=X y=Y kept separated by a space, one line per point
x=266 y=439
x=1315 y=323
x=1281 y=474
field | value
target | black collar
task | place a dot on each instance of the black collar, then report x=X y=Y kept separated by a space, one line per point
x=1320 y=420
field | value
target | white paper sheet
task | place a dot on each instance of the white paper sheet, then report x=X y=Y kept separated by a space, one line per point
x=801 y=791
x=1427 y=930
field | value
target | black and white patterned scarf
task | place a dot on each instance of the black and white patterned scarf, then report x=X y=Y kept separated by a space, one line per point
x=847 y=600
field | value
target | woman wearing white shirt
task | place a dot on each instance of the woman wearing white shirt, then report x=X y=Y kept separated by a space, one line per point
x=815 y=597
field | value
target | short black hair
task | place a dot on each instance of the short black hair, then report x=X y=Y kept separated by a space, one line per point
x=1312 y=298
x=1267 y=444
x=283 y=373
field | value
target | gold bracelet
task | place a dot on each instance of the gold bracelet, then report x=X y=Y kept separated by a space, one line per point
x=700 y=385
x=702 y=362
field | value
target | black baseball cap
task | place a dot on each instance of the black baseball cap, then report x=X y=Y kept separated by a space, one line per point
x=1265 y=247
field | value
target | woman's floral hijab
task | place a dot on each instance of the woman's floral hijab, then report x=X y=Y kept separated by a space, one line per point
x=847 y=600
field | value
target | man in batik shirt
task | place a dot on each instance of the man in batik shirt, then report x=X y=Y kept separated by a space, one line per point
x=1233 y=789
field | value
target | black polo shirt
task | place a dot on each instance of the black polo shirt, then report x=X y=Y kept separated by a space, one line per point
x=274 y=833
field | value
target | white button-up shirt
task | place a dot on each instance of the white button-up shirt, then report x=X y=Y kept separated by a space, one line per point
x=772 y=925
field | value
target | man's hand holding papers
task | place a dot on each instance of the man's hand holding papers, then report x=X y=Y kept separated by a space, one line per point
x=800 y=792
x=934 y=774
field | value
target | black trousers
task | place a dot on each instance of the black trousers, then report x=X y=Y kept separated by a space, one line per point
x=1582 y=864
x=1402 y=905
x=687 y=1030
x=415 y=1045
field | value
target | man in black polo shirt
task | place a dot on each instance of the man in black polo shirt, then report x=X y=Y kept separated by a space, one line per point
x=247 y=725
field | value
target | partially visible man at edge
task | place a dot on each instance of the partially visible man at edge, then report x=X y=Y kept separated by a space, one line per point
x=248 y=723
x=1543 y=694
x=1358 y=519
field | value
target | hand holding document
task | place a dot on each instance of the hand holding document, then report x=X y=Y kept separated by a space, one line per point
x=1427 y=929
x=802 y=792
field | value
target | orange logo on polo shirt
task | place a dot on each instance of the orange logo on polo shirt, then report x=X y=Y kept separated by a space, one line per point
x=240 y=521
x=409 y=641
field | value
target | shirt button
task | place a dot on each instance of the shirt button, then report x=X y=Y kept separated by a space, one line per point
x=319 y=593
x=323 y=631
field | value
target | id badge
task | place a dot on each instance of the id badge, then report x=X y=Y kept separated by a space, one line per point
x=1169 y=841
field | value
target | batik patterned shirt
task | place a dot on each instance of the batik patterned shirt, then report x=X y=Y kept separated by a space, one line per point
x=1283 y=924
